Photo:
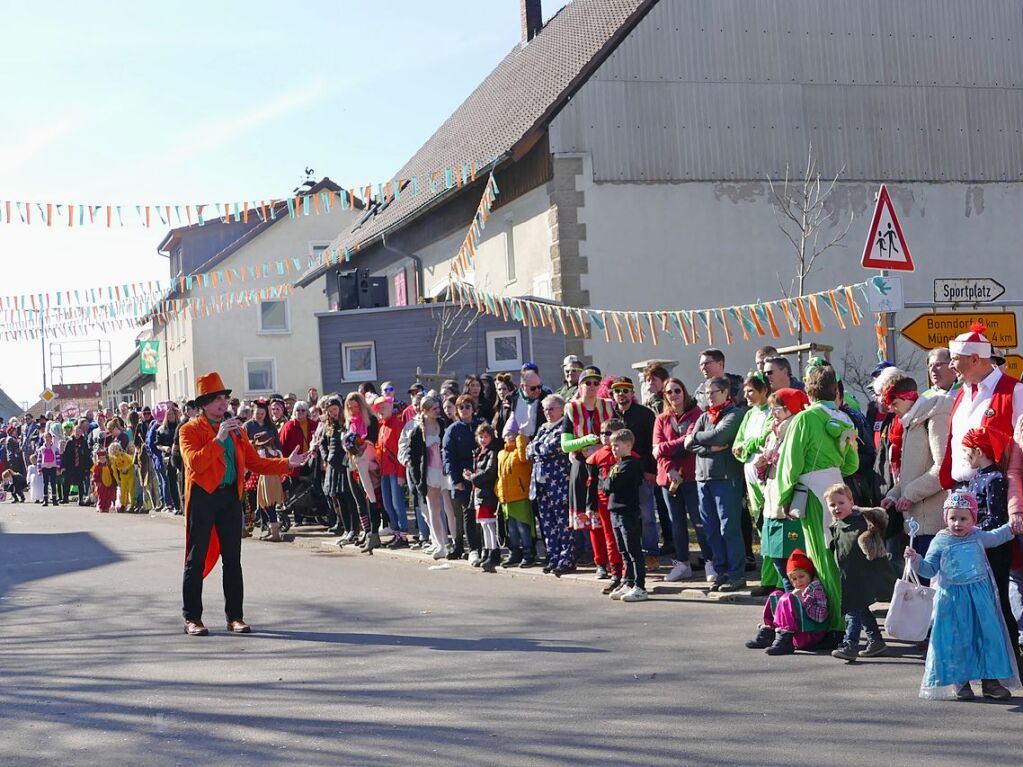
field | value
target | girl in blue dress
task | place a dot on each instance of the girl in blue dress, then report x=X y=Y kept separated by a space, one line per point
x=968 y=636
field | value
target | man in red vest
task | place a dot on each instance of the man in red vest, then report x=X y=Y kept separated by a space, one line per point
x=216 y=452
x=988 y=397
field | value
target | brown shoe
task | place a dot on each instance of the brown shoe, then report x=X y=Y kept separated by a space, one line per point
x=239 y=627
x=196 y=629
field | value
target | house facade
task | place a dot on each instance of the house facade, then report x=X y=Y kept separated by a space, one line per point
x=633 y=142
x=268 y=346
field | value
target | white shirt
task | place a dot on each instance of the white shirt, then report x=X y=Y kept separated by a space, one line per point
x=525 y=414
x=969 y=415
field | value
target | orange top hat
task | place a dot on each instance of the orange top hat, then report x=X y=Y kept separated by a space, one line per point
x=208 y=387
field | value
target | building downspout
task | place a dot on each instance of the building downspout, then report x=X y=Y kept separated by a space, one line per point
x=416 y=260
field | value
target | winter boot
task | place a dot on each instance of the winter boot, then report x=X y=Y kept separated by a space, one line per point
x=763 y=639
x=275 y=532
x=782 y=644
x=514 y=558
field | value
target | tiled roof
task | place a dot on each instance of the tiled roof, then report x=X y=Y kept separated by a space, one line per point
x=8 y=407
x=522 y=94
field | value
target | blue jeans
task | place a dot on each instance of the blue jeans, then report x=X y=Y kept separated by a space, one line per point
x=648 y=514
x=682 y=507
x=394 y=502
x=720 y=509
x=421 y=524
x=519 y=536
x=161 y=481
x=861 y=619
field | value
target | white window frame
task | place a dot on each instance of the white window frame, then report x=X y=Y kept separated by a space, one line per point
x=274 y=331
x=273 y=374
x=358 y=375
x=495 y=366
x=543 y=286
x=510 y=270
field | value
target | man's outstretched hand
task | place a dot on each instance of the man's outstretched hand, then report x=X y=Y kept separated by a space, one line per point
x=296 y=458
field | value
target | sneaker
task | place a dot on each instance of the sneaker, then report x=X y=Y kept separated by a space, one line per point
x=965 y=692
x=994 y=689
x=474 y=558
x=602 y=573
x=611 y=587
x=736 y=585
x=874 y=648
x=847 y=651
x=635 y=595
x=440 y=552
x=680 y=571
x=621 y=591
x=709 y=572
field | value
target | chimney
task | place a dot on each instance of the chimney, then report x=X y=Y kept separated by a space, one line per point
x=531 y=16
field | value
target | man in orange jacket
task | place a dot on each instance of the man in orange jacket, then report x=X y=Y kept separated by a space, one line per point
x=216 y=453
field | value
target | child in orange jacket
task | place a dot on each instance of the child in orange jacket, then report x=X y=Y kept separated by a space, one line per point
x=512 y=488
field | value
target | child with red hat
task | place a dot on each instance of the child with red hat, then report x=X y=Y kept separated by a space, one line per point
x=797 y=620
x=984 y=449
x=104 y=484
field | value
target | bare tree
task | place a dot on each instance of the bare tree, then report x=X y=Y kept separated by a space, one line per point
x=452 y=324
x=802 y=215
x=856 y=369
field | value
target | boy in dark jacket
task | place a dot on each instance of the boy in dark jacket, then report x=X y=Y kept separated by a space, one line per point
x=857 y=542
x=15 y=484
x=621 y=486
x=482 y=476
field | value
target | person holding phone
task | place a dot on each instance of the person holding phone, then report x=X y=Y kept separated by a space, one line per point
x=216 y=452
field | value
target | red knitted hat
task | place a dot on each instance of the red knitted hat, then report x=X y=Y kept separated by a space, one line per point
x=799 y=561
x=973 y=342
x=991 y=442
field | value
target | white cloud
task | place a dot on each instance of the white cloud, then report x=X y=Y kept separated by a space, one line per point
x=22 y=152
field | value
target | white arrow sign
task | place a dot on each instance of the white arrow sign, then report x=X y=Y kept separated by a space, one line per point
x=967 y=290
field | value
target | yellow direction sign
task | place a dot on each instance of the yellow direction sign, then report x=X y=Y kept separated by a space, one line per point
x=48 y=395
x=929 y=331
x=1014 y=365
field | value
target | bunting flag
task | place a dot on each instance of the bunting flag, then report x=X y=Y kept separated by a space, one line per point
x=149 y=215
x=752 y=320
x=463 y=260
x=121 y=313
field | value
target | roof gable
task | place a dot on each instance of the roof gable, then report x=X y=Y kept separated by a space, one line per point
x=518 y=98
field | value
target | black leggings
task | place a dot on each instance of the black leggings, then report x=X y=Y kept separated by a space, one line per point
x=1000 y=558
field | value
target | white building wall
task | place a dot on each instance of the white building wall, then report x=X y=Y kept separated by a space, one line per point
x=225 y=341
x=520 y=228
x=706 y=244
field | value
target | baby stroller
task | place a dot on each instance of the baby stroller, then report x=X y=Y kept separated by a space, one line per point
x=306 y=504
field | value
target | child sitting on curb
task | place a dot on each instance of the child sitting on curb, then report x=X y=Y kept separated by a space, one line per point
x=797 y=620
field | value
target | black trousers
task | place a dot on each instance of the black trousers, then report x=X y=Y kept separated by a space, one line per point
x=221 y=509
x=1000 y=559
x=628 y=530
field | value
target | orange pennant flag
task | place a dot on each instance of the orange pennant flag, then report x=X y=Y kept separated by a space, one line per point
x=835 y=309
x=771 y=321
x=815 y=315
x=804 y=320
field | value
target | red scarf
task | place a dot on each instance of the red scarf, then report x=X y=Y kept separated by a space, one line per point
x=895 y=434
x=714 y=413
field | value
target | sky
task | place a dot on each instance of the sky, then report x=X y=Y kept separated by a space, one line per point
x=191 y=103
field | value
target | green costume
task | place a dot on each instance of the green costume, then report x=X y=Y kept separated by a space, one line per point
x=817 y=453
x=748 y=445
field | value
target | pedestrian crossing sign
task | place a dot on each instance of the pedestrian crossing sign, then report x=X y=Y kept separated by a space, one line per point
x=886 y=246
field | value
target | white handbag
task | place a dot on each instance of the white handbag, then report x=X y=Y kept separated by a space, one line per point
x=909 y=615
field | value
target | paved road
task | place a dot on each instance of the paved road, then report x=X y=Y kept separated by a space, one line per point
x=380 y=661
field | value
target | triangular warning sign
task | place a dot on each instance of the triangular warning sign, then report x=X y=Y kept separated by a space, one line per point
x=886 y=246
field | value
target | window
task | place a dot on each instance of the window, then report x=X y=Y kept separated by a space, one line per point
x=542 y=286
x=260 y=375
x=359 y=361
x=509 y=251
x=504 y=350
x=274 y=317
